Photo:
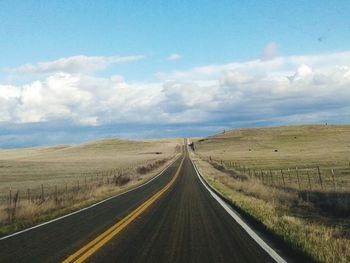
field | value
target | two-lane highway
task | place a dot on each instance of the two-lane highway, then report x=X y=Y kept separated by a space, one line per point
x=172 y=219
x=186 y=225
x=55 y=241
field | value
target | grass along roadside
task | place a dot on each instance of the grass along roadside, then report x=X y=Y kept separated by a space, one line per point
x=16 y=216
x=310 y=157
x=331 y=202
x=283 y=214
x=22 y=169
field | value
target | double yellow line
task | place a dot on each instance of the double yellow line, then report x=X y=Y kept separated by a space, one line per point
x=85 y=252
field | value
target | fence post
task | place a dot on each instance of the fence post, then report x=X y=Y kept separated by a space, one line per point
x=56 y=194
x=333 y=177
x=9 y=212
x=15 y=200
x=308 y=177
x=10 y=198
x=297 y=172
x=290 y=178
x=284 y=183
x=42 y=192
x=28 y=195
x=271 y=177
x=320 y=177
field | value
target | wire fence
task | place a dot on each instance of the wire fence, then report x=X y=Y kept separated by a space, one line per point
x=76 y=189
x=316 y=178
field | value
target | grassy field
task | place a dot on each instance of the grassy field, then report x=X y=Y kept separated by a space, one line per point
x=296 y=150
x=324 y=145
x=29 y=168
x=38 y=184
x=245 y=166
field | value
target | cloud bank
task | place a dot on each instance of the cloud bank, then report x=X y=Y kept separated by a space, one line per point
x=75 y=64
x=279 y=90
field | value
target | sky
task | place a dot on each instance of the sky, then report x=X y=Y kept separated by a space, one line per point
x=72 y=71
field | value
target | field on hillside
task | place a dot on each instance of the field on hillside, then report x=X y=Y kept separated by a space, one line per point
x=318 y=156
x=40 y=184
x=23 y=169
x=294 y=180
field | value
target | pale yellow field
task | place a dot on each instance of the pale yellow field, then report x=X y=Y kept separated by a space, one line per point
x=300 y=151
x=299 y=223
x=312 y=145
x=29 y=168
x=245 y=166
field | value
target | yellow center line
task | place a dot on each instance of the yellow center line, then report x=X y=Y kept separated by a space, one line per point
x=90 y=248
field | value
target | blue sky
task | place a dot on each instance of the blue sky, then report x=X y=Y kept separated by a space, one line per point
x=93 y=65
x=204 y=32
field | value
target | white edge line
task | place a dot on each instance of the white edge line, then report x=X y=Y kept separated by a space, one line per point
x=85 y=208
x=239 y=220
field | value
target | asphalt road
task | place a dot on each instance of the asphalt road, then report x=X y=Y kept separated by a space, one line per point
x=184 y=224
x=55 y=241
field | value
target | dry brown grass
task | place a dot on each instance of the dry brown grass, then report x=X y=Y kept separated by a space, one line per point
x=302 y=146
x=284 y=213
x=25 y=213
x=310 y=213
x=304 y=158
x=29 y=168
x=74 y=176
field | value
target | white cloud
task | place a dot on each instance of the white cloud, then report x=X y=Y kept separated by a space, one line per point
x=282 y=90
x=280 y=66
x=174 y=56
x=74 y=64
